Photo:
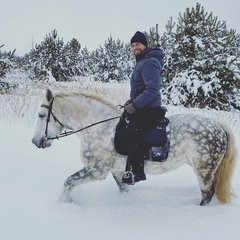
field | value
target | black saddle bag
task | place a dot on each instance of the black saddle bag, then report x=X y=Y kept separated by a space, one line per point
x=157 y=136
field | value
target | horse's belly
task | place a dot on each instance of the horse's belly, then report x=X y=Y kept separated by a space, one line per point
x=169 y=165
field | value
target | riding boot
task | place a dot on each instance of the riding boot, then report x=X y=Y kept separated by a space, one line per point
x=138 y=167
x=134 y=171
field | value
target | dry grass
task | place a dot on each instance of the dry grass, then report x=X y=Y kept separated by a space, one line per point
x=22 y=104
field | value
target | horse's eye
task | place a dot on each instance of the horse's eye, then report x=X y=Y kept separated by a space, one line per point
x=41 y=115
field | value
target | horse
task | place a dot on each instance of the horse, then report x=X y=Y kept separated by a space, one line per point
x=203 y=143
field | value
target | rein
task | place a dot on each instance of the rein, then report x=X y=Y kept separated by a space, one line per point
x=67 y=133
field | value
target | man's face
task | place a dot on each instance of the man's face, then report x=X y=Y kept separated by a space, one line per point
x=137 y=48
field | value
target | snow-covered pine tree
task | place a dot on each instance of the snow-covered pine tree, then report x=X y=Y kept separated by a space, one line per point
x=167 y=38
x=86 y=63
x=153 y=37
x=112 y=61
x=107 y=67
x=71 y=57
x=6 y=59
x=202 y=63
x=44 y=60
x=6 y=63
x=128 y=61
x=99 y=65
x=53 y=59
x=166 y=43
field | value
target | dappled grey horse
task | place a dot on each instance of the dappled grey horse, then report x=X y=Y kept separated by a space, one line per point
x=205 y=144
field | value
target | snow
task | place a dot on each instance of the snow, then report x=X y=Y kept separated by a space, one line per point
x=163 y=207
x=198 y=42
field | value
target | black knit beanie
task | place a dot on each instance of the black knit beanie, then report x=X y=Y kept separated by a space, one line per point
x=139 y=37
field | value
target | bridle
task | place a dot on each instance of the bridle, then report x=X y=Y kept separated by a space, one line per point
x=66 y=133
x=49 y=116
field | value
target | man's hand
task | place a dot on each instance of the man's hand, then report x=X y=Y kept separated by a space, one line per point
x=130 y=109
x=127 y=102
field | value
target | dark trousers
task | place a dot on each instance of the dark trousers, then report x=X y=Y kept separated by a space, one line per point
x=139 y=122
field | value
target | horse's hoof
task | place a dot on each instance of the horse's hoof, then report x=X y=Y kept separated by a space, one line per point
x=65 y=198
x=205 y=202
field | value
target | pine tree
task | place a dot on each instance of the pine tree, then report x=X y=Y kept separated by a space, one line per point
x=153 y=37
x=6 y=63
x=43 y=60
x=85 y=63
x=53 y=58
x=168 y=37
x=197 y=72
x=71 y=57
x=108 y=66
x=112 y=61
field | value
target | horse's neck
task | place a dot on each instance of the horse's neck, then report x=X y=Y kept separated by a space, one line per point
x=79 y=111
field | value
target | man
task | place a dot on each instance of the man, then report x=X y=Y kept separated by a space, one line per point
x=144 y=107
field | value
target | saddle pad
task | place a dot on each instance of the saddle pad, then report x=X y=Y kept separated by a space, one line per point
x=160 y=153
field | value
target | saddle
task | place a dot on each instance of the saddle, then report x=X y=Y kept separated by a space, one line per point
x=156 y=139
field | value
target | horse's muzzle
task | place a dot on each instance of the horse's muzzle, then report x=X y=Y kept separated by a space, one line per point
x=42 y=142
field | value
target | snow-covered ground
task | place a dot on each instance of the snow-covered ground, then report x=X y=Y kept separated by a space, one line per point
x=163 y=207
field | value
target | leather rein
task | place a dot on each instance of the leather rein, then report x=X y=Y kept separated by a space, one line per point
x=66 y=133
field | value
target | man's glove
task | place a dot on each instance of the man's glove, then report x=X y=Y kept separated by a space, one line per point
x=130 y=109
x=127 y=102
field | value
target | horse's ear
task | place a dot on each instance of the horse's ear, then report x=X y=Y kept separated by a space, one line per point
x=49 y=95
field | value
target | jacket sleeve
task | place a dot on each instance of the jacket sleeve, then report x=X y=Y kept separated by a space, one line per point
x=151 y=75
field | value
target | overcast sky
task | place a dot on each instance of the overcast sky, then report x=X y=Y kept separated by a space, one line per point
x=27 y=22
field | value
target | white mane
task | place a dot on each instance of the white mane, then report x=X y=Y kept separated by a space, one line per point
x=95 y=97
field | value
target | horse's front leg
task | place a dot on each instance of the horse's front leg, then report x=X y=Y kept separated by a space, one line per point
x=84 y=175
x=118 y=179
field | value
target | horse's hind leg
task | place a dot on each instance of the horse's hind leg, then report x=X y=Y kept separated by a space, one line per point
x=207 y=195
x=206 y=182
x=205 y=173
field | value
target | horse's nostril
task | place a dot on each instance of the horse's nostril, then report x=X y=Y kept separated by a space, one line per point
x=34 y=141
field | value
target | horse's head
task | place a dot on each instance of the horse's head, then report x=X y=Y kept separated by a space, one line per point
x=48 y=125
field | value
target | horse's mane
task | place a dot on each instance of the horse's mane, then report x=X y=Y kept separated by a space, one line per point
x=95 y=97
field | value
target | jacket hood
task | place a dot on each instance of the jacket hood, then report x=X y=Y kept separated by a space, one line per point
x=152 y=52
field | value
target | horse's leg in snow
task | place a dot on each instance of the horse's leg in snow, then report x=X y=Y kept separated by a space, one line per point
x=86 y=174
x=206 y=182
x=207 y=195
x=118 y=178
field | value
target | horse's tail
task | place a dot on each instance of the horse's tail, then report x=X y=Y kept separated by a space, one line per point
x=224 y=172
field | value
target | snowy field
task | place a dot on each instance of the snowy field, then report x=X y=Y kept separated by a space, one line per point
x=163 y=207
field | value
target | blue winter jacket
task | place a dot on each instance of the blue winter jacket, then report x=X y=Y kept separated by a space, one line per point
x=146 y=79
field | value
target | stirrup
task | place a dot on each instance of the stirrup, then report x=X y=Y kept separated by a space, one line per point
x=128 y=177
x=131 y=178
